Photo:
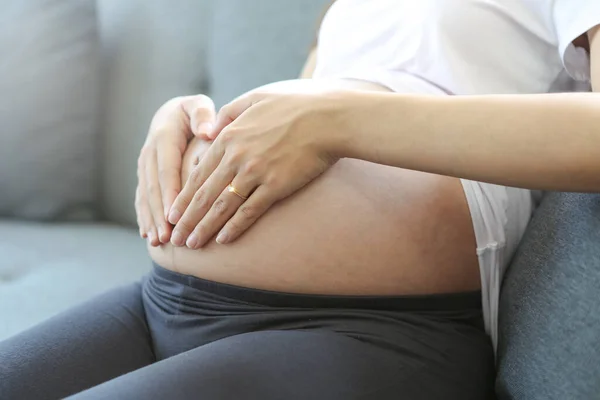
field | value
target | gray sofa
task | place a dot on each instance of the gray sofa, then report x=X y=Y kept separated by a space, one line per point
x=78 y=90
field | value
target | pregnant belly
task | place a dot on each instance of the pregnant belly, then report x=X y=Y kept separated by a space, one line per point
x=360 y=229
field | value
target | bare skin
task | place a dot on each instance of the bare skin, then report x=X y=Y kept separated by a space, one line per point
x=360 y=229
x=368 y=229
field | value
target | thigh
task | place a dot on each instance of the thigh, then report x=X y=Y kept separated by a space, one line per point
x=77 y=349
x=283 y=365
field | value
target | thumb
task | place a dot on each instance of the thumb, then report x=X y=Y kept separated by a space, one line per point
x=200 y=110
x=230 y=112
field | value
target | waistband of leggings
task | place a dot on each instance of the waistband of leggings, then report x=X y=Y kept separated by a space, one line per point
x=429 y=302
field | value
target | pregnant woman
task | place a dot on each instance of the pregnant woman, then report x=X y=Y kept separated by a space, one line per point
x=379 y=279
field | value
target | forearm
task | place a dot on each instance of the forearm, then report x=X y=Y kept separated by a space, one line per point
x=549 y=142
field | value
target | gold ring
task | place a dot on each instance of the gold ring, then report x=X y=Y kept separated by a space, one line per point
x=232 y=189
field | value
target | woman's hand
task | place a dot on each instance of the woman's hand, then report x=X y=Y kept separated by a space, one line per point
x=159 y=164
x=270 y=144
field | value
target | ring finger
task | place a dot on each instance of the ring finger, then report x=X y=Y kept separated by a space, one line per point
x=221 y=211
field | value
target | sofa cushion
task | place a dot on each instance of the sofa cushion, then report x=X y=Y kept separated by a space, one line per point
x=258 y=42
x=151 y=51
x=45 y=268
x=48 y=109
x=550 y=305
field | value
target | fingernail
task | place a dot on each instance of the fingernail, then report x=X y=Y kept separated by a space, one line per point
x=205 y=128
x=161 y=234
x=150 y=237
x=192 y=241
x=174 y=216
x=177 y=239
x=222 y=237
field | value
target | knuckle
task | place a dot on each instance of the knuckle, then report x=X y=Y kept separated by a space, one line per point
x=198 y=196
x=235 y=156
x=234 y=227
x=152 y=188
x=220 y=207
x=199 y=199
x=251 y=167
x=195 y=177
x=144 y=153
x=183 y=200
x=227 y=136
x=272 y=180
x=181 y=203
x=249 y=213
x=201 y=231
x=185 y=226
x=165 y=173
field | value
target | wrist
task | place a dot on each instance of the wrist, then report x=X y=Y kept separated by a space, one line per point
x=334 y=114
x=357 y=122
x=373 y=126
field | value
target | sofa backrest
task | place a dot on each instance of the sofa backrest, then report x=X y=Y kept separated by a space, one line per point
x=258 y=42
x=48 y=109
x=153 y=51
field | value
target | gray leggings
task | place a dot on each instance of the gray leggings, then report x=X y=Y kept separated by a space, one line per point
x=179 y=337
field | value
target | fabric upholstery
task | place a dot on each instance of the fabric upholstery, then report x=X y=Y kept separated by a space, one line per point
x=151 y=51
x=258 y=42
x=550 y=305
x=48 y=109
x=45 y=268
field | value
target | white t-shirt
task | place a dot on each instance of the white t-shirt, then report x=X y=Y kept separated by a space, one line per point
x=465 y=47
x=460 y=46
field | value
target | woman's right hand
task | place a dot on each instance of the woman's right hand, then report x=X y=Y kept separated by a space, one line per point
x=159 y=163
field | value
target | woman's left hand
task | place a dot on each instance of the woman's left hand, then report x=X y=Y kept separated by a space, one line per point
x=268 y=145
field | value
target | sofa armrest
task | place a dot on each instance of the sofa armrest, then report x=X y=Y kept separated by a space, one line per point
x=550 y=305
